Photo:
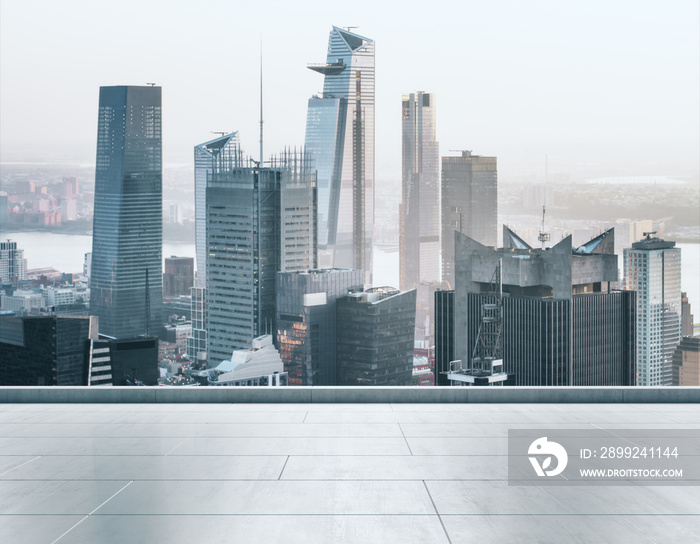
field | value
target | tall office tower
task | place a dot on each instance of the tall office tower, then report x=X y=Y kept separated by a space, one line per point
x=306 y=323
x=444 y=334
x=562 y=324
x=210 y=159
x=259 y=221
x=196 y=344
x=13 y=265
x=178 y=276
x=653 y=270
x=127 y=269
x=420 y=205
x=375 y=337
x=469 y=204
x=340 y=140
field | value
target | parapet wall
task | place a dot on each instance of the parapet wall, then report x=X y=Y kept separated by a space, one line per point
x=351 y=395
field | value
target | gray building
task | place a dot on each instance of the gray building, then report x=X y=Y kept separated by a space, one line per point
x=340 y=140
x=562 y=323
x=653 y=270
x=444 y=335
x=126 y=276
x=306 y=322
x=259 y=221
x=469 y=204
x=419 y=215
x=375 y=337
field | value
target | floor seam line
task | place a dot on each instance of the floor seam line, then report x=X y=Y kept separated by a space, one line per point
x=405 y=439
x=18 y=466
x=283 y=467
x=69 y=530
x=447 y=535
x=177 y=446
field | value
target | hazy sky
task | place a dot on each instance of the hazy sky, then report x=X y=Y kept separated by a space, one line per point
x=610 y=82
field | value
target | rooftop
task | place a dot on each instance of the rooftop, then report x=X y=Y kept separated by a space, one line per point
x=314 y=471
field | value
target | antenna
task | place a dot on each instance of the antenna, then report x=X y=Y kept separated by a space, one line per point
x=543 y=236
x=219 y=132
x=349 y=28
x=151 y=84
x=261 y=103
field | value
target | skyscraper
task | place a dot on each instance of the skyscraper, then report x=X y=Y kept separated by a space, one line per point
x=420 y=204
x=469 y=204
x=375 y=337
x=259 y=221
x=306 y=322
x=340 y=141
x=13 y=265
x=653 y=270
x=562 y=322
x=126 y=279
x=178 y=276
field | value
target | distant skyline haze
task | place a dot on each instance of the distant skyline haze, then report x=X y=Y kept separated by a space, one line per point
x=609 y=84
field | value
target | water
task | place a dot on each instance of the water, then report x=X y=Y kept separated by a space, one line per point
x=66 y=252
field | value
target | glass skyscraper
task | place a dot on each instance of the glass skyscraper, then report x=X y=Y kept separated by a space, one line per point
x=653 y=270
x=259 y=221
x=126 y=277
x=340 y=141
x=420 y=202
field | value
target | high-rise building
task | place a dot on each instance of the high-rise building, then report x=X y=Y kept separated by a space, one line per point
x=686 y=362
x=444 y=334
x=687 y=318
x=375 y=337
x=13 y=265
x=259 y=221
x=210 y=159
x=46 y=350
x=562 y=323
x=340 y=141
x=469 y=204
x=178 y=276
x=653 y=270
x=127 y=270
x=420 y=205
x=197 y=342
x=306 y=321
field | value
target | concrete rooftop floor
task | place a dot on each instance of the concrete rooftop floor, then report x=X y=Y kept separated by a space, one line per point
x=316 y=473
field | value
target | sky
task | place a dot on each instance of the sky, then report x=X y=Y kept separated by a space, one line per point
x=612 y=83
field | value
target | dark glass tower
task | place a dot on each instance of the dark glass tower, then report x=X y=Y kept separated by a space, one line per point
x=126 y=280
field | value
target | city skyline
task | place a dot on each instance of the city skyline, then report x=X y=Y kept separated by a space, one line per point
x=542 y=80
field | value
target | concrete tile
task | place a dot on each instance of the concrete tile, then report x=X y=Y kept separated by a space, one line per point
x=10 y=462
x=265 y=497
x=458 y=446
x=490 y=498
x=33 y=529
x=87 y=446
x=55 y=497
x=478 y=430
x=306 y=529
x=202 y=417
x=122 y=467
x=404 y=467
x=292 y=446
x=554 y=529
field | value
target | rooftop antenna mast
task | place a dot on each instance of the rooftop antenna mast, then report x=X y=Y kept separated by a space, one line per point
x=543 y=236
x=261 y=103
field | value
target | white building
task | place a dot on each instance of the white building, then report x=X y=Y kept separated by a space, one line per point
x=22 y=300
x=653 y=270
x=13 y=265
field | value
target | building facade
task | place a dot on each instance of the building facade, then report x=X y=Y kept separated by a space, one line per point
x=126 y=276
x=340 y=141
x=375 y=337
x=13 y=265
x=444 y=335
x=419 y=213
x=653 y=270
x=469 y=204
x=259 y=221
x=686 y=362
x=562 y=322
x=306 y=322
x=178 y=276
